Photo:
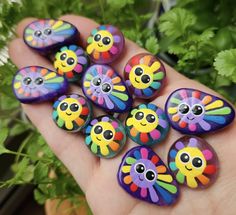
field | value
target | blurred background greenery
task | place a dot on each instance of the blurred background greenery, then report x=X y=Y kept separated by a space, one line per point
x=197 y=37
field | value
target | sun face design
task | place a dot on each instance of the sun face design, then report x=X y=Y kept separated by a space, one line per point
x=103 y=86
x=147 y=124
x=193 y=162
x=195 y=112
x=105 y=44
x=105 y=136
x=46 y=33
x=36 y=84
x=144 y=75
x=143 y=174
x=71 y=61
x=71 y=112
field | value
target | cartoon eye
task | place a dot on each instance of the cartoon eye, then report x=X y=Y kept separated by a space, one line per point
x=150 y=175
x=138 y=71
x=184 y=157
x=70 y=61
x=106 y=40
x=139 y=168
x=63 y=56
x=139 y=115
x=197 y=162
x=27 y=81
x=47 y=31
x=197 y=110
x=98 y=129
x=106 y=87
x=151 y=118
x=63 y=106
x=108 y=134
x=145 y=79
x=37 y=33
x=184 y=108
x=74 y=107
x=97 y=37
x=97 y=81
x=38 y=81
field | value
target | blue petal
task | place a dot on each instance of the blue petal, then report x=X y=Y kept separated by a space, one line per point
x=147 y=92
x=165 y=194
x=217 y=119
x=121 y=105
x=137 y=155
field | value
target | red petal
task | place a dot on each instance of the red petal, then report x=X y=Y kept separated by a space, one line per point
x=144 y=137
x=119 y=136
x=210 y=169
x=133 y=187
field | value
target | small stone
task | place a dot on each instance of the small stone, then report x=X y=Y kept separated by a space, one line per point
x=48 y=35
x=144 y=75
x=144 y=176
x=147 y=124
x=71 y=61
x=192 y=111
x=72 y=112
x=105 y=44
x=105 y=136
x=37 y=84
x=193 y=162
x=105 y=88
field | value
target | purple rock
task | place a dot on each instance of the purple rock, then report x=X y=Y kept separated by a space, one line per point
x=36 y=84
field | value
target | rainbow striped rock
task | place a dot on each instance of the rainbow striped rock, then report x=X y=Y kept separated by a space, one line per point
x=105 y=88
x=36 y=84
x=192 y=111
x=47 y=35
x=143 y=175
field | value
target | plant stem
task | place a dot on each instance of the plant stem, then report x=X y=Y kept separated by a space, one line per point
x=102 y=9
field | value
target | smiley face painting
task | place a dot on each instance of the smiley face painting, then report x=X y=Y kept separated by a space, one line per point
x=147 y=124
x=143 y=175
x=71 y=61
x=144 y=75
x=71 y=112
x=193 y=162
x=105 y=136
x=105 y=44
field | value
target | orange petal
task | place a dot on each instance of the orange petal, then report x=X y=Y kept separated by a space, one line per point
x=114 y=146
x=203 y=179
x=127 y=179
x=161 y=169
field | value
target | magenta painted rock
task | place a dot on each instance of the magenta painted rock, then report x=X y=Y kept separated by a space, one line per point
x=143 y=175
x=36 y=84
x=105 y=44
x=192 y=111
x=47 y=35
x=193 y=162
x=105 y=88
x=144 y=75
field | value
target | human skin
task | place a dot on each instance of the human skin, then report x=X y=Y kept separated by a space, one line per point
x=97 y=177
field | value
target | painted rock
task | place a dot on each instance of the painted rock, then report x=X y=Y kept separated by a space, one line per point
x=36 y=84
x=47 y=35
x=105 y=136
x=143 y=175
x=105 y=44
x=105 y=88
x=192 y=111
x=147 y=124
x=72 y=112
x=193 y=162
x=144 y=75
x=71 y=61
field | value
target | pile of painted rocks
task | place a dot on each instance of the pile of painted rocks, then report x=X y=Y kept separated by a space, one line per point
x=142 y=174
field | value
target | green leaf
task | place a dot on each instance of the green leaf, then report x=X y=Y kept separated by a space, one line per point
x=3 y=135
x=39 y=196
x=41 y=172
x=152 y=45
x=118 y=4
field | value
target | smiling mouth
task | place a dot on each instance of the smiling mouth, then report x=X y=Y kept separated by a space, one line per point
x=98 y=139
x=100 y=45
x=143 y=124
x=63 y=65
x=190 y=118
x=136 y=80
x=69 y=114
x=140 y=179
x=187 y=168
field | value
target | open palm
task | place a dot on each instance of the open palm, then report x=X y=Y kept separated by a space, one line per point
x=97 y=177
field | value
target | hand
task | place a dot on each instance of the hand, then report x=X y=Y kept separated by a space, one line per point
x=97 y=177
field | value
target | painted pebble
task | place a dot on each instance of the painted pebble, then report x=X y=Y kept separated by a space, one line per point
x=47 y=35
x=105 y=88
x=192 y=111
x=105 y=136
x=143 y=175
x=72 y=112
x=71 y=61
x=147 y=124
x=193 y=162
x=36 y=84
x=144 y=75
x=105 y=44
